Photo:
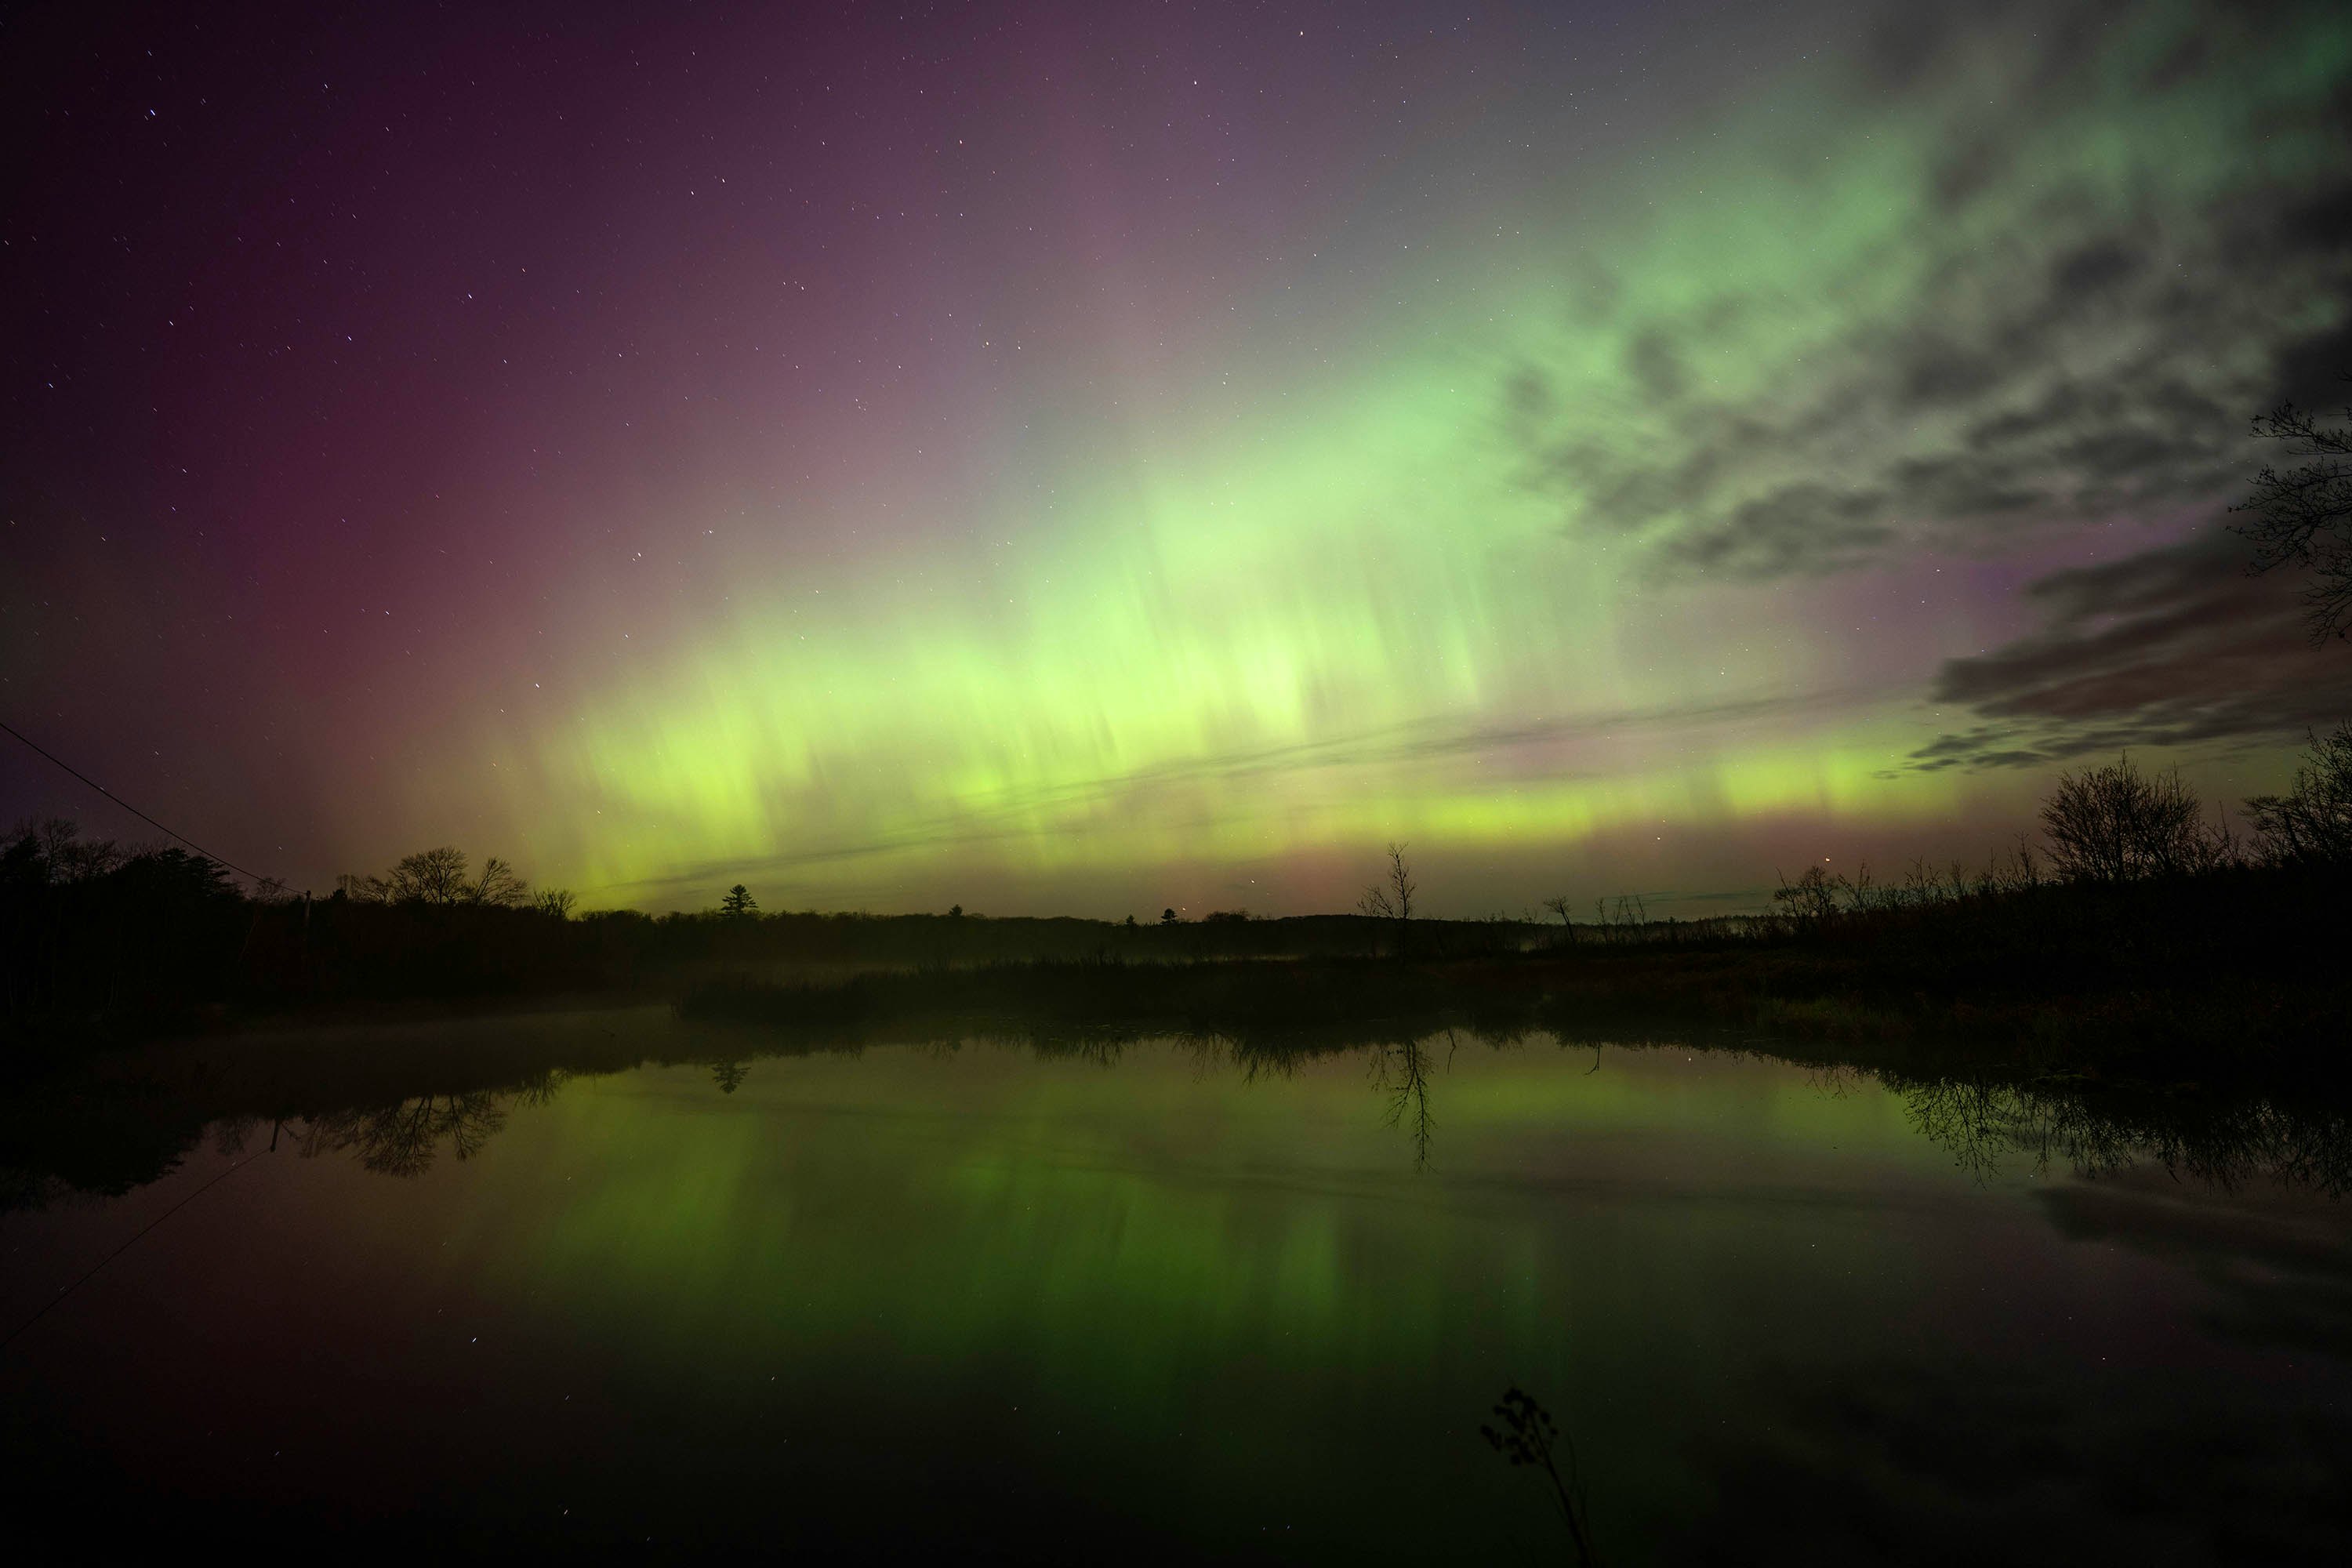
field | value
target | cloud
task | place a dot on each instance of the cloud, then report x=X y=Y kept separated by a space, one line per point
x=2119 y=237
x=2165 y=648
x=1801 y=526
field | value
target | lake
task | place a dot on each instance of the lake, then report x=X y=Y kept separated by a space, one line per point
x=462 y=1285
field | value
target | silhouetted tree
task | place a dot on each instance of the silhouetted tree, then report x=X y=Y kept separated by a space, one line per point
x=1631 y=911
x=430 y=877
x=498 y=885
x=739 y=903
x=1558 y=904
x=439 y=877
x=2303 y=518
x=555 y=901
x=72 y=858
x=1391 y=898
x=1168 y=917
x=1811 y=899
x=362 y=890
x=2313 y=821
x=2114 y=823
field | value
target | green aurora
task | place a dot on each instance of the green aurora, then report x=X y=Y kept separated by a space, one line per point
x=1606 y=453
x=1418 y=591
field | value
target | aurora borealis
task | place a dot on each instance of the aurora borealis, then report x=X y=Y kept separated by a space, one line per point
x=1084 y=458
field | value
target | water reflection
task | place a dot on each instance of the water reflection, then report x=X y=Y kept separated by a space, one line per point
x=402 y=1140
x=2089 y=1133
x=1197 y=1291
x=1400 y=1072
x=118 y=1125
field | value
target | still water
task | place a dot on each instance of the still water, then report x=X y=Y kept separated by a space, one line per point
x=1158 y=1302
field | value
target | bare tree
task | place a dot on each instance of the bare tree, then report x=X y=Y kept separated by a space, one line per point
x=1558 y=904
x=2303 y=518
x=1811 y=899
x=2313 y=821
x=2114 y=823
x=67 y=857
x=555 y=901
x=429 y=876
x=1626 y=921
x=1391 y=898
x=401 y=1140
x=440 y=875
x=1401 y=1072
x=363 y=890
x=497 y=885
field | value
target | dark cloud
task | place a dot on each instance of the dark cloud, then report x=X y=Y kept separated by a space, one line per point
x=1970 y=171
x=2069 y=44
x=2187 y=60
x=2311 y=369
x=1955 y=486
x=1939 y=372
x=1899 y=52
x=2171 y=647
x=1797 y=527
x=2082 y=343
x=1654 y=365
x=2322 y=220
x=2103 y=264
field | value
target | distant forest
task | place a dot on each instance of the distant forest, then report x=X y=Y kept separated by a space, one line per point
x=2131 y=894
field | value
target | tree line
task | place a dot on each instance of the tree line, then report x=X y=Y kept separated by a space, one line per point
x=98 y=935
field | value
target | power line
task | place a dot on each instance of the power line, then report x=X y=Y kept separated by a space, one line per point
x=14 y=1332
x=218 y=860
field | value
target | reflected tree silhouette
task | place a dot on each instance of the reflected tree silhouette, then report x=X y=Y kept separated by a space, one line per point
x=1101 y=1048
x=1837 y=1080
x=231 y=1135
x=403 y=1139
x=1400 y=1069
x=84 y=1131
x=1983 y=1123
x=539 y=1088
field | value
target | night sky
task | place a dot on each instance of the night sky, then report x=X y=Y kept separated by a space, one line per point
x=1089 y=458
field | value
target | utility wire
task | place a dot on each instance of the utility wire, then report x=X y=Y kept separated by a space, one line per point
x=229 y=864
x=18 y=1330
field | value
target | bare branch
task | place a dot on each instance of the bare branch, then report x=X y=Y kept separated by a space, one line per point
x=2303 y=518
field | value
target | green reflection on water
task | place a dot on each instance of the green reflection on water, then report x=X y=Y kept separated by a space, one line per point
x=826 y=1297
